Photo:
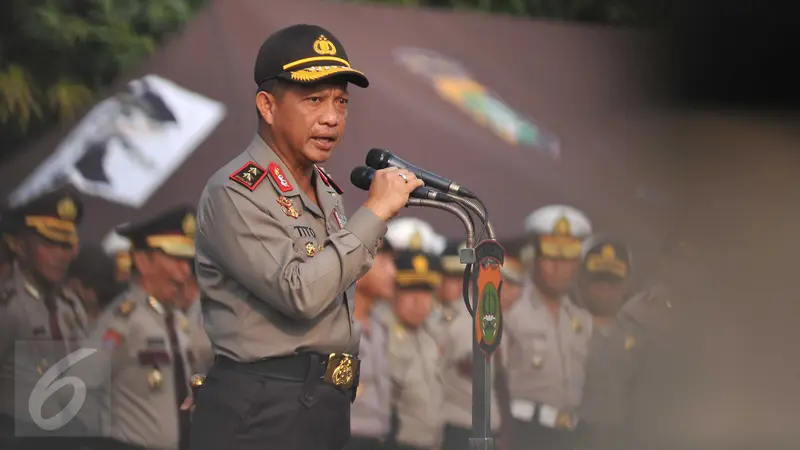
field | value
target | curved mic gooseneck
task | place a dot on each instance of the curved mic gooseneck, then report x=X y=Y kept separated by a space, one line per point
x=478 y=209
x=458 y=211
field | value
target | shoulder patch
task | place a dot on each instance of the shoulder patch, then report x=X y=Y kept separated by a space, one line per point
x=126 y=308
x=277 y=174
x=249 y=175
x=329 y=181
x=112 y=339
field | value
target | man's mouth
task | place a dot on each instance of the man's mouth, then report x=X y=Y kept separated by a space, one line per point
x=325 y=142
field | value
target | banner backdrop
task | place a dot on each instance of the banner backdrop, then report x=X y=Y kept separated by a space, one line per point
x=129 y=144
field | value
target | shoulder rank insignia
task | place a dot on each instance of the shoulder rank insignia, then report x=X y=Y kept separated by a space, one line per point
x=280 y=178
x=126 y=308
x=111 y=339
x=630 y=342
x=249 y=175
x=576 y=325
x=328 y=180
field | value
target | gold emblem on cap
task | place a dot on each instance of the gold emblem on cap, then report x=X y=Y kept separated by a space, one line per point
x=189 y=225
x=562 y=227
x=66 y=209
x=155 y=379
x=608 y=252
x=537 y=362
x=323 y=46
x=310 y=249
x=415 y=241
x=420 y=264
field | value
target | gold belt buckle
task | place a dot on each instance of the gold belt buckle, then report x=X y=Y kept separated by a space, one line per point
x=564 y=421
x=341 y=370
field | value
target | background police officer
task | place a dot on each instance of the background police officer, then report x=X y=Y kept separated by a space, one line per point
x=42 y=238
x=610 y=366
x=277 y=259
x=143 y=337
x=370 y=416
x=414 y=354
x=547 y=334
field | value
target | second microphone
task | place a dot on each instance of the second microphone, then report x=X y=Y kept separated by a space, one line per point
x=362 y=176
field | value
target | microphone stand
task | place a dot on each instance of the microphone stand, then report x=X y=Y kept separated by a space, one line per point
x=482 y=283
x=453 y=209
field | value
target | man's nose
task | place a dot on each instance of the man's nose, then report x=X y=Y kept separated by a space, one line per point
x=330 y=115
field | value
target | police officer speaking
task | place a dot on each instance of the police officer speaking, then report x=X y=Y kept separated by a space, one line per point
x=277 y=259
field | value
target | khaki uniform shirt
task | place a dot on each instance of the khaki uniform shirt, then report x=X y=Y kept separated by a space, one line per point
x=371 y=413
x=651 y=310
x=610 y=368
x=25 y=325
x=456 y=359
x=440 y=318
x=199 y=343
x=277 y=272
x=545 y=359
x=414 y=361
x=134 y=341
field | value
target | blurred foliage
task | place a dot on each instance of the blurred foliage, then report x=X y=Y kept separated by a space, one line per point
x=609 y=12
x=55 y=55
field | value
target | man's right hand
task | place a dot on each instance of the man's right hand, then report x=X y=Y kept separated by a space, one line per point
x=389 y=191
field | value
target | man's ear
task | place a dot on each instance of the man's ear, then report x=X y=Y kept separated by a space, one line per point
x=14 y=244
x=142 y=262
x=266 y=104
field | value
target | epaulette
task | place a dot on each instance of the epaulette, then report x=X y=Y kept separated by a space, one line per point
x=249 y=175
x=126 y=308
x=328 y=180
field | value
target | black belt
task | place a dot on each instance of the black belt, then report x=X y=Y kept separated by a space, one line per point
x=337 y=369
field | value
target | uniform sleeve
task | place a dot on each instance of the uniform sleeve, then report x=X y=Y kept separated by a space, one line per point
x=109 y=339
x=257 y=251
x=8 y=330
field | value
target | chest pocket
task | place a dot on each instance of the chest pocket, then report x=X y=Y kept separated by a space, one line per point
x=535 y=348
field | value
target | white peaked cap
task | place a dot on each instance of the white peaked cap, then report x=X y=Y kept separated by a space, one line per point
x=546 y=220
x=114 y=243
x=401 y=231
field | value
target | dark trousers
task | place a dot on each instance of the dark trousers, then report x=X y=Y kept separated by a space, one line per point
x=532 y=436
x=9 y=440
x=110 y=444
x=455 y=438
x=365 y=443
x=238 y=409
x=601 y=437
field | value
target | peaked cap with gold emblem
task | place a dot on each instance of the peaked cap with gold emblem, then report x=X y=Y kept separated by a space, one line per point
x=305 y=54
x=557 y=231
x=410 y=233
x=606 y=258
x=416 y=270
x=54 y=216
x=171 y=232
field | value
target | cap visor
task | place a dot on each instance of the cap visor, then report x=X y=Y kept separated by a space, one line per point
x=316 y=74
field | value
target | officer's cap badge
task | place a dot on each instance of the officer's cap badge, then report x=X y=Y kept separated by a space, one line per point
x=323 y=46
x=66 y=209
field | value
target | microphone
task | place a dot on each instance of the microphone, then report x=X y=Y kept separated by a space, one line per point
x=362 y=176
x=380 y=159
